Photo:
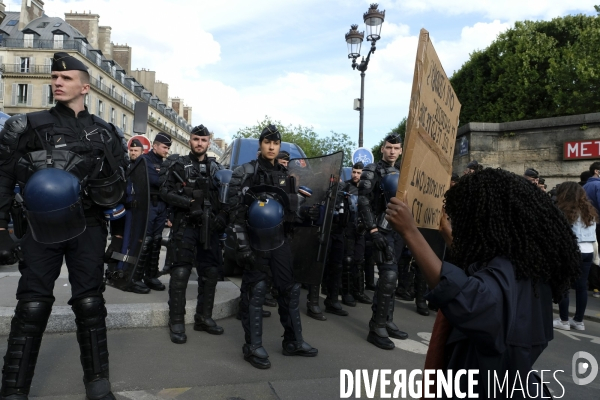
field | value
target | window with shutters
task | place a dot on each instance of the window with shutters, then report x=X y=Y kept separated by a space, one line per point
x=28 y=40
x=100 y=108
x=25 y=64
x=47 y=65
x=48 y=99
x=124 y=124
x=86 y=100
x=22 y=93
x=113 y=116
x=58 y=41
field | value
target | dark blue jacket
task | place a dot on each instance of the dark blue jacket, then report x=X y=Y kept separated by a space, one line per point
x=592 y=189
x=154 y=163
x=498 y=323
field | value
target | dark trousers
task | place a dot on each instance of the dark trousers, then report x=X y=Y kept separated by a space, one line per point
x=280 y=264
x=581 y=295
x=157 y=217
x=84 y=256
x=191 y=251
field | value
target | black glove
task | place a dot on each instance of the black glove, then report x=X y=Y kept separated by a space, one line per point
x=7 y=246
x=314 y=213
x=116 y=244
x=219 y=222
x=196 y=206
x=246 y=258
x=378 y=240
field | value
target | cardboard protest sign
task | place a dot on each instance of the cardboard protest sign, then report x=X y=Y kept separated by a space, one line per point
x=430 y=137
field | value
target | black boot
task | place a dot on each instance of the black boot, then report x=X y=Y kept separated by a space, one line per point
x=421 y=288
x=252 y=321
x=151 y=278
x=26 y=330
x=177 y=289
x=137 y=285
x=390 y=326
x=269 y=299
x=293 y=343
x=207 y=286
x=370 y=275
x=347 y=298
x=313 y=309
x=90 y=318
x=359 y=284
x=332 y=302
x=406 y=277
x=378 y=334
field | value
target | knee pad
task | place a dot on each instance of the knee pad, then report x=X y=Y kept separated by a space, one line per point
x=347 y=260
x=211 y=273
x=90 y=310
x=292 y=294
x=33 y=313
x=179 y=278
x=257 y=294
x=157 y=238
x=388 y=280
x=147 y=243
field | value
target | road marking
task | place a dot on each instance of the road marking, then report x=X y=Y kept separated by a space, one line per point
x=172 y=393
x=573 y=335
x=410 y=345
x=139 y=395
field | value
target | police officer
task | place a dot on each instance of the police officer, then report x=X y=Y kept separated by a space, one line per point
x=50 y=153
x=377 y=183
x=135 y=150
x=199 y=218
x=283 y=158
x=354 y=259
x=262 y=193
x=157 y=215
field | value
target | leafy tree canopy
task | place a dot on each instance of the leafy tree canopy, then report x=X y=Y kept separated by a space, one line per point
x=305 y=137
x=400 y=129
x=536 y=69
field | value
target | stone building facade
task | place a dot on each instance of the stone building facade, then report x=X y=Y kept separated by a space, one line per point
x=28 y=40
x=518 y=145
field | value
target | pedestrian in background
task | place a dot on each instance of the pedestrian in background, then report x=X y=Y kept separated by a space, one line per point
x=573 y=202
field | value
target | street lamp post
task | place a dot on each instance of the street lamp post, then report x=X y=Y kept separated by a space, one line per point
x=373 y=20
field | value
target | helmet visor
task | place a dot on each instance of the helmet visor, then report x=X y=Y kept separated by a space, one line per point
x=266 y=239
x=57 y=226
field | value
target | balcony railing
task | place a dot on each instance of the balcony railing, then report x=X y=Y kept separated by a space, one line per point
x=83 y=48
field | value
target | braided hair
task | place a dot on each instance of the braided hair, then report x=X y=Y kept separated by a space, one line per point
x=497 y=213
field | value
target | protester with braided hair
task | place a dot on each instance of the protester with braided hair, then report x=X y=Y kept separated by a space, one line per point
x=514 y=253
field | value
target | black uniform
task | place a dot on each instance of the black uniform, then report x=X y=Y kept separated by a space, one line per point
x=274 y=183
x=157 y=217
x=188 y=187
x=95 y=141
x=387 y=246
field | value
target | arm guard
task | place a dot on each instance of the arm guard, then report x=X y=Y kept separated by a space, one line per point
x=366 y=213
x=241 y=237
x=171 y=188
x=9 y=135
x=368 y=180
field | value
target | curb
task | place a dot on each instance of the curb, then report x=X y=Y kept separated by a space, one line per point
x=139 y=315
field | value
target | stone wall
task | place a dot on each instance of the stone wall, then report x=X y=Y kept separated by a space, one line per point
x=518 y=145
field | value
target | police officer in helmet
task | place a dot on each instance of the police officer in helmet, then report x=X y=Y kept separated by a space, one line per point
x=194 y=185
x=379 y=182
x=70 y=166
x=262 y=193
x=157 y=217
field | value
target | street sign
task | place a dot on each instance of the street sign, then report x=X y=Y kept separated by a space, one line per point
x=581 y=149
x=143 y=140
x=463 y=146
x=362 y=155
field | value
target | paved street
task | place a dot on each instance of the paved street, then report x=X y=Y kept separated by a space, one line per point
x=145 y=365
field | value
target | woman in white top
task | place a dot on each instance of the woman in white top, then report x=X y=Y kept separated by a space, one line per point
x=573 y=202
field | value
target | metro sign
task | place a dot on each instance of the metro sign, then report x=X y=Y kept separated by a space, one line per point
x=581 y=149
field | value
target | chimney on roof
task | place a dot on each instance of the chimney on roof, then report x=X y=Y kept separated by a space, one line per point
x=30 y=10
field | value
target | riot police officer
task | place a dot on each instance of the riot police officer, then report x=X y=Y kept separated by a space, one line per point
x=188 y=185
x=262 y=200
x=378 y=182
x=135 y=149
x=70 y=166
x=353 y=275
x=157 y=215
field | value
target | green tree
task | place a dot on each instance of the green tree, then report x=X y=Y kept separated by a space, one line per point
x=536 y=69
x=400 y=129
x=305 y=137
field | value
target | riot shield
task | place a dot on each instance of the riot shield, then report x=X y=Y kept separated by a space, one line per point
x=137 y=205
x=309 y=245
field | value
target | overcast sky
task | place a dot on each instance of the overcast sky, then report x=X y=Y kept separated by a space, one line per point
x=236 y=61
